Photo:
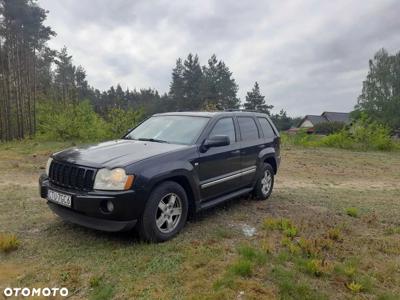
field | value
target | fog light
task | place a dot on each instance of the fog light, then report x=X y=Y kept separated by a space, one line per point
x=110 y=206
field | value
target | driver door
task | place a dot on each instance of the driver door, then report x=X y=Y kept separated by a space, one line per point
x=219 y=167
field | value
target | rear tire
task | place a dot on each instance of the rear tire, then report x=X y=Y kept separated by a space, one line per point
x=265 y=183
x=165 y=213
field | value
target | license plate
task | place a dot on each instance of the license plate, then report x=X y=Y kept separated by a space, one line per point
x=59 y=198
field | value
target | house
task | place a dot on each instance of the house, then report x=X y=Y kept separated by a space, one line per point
x=309 y=121
x=337 y=117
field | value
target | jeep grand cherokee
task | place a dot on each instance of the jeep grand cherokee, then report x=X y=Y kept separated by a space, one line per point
x=170 y=166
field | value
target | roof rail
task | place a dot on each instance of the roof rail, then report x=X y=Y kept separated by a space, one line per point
x=243 y=110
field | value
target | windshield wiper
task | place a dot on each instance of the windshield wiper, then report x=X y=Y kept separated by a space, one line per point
x=151 y=140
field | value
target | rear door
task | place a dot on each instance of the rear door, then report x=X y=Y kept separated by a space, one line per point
x=271 y=138
x=251 y=145
x=219 y=167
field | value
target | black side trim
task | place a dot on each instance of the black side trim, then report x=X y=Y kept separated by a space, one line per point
x=224 y=198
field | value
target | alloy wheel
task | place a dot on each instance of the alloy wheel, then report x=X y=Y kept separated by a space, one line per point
x=266 y=182
x=169 y=212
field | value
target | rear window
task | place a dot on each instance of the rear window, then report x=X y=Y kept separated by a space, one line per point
x=266 y=128
x=248 y=128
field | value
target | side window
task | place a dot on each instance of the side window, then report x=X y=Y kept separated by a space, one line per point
x=224 y=126
x=266 y=128
x=248 y=128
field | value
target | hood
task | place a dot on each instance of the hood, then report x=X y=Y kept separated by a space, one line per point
x=117 y=153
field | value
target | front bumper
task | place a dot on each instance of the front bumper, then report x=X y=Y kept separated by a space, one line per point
x=90 y=222
x=87 y=208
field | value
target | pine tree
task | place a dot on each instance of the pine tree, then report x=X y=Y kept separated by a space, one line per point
x=193 y=82
x=65 y=77
x=256 y=101
x=176 y=88
x=22 y=36
x=210 y=84
x=81 y=83
x=219 y=88
x=120 y=99
x=282 y=121
x=227 y=88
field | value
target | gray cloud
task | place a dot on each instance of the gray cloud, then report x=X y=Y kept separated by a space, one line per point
x=308 y=56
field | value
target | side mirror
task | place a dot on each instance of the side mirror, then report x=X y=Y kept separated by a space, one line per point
x=215 y=141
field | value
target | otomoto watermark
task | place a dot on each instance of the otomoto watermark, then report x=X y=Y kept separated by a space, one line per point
x=35 y=292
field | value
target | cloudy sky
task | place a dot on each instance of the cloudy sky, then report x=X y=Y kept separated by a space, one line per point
x=308 y=56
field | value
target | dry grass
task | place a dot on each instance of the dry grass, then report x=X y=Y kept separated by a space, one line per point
x=8 y=242
x=305 y=247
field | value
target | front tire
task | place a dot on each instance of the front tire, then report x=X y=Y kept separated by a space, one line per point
x=265 y=183
x=165 y=213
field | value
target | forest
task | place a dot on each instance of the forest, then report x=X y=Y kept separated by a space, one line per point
x=44 y=94
x=37 y=83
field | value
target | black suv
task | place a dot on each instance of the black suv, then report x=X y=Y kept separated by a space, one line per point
x=168 y=167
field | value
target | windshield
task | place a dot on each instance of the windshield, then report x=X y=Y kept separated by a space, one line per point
x=169 y=129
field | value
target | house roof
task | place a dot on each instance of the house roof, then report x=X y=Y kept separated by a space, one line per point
x=313 y=119
x=336 y=116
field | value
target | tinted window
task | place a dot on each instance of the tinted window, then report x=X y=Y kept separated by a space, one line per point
x=248 y=129
x=266 y=128
x=224 y=127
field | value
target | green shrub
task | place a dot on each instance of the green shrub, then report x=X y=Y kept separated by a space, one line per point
x=363 y=135
x=292 y=286
x=334 y=234
x=293 y=248
x=300 y=138
x=340 y=139
x=317 y=267
x=309 y=247
x=251 y=254
x=95 y=281
x=328 y=127
x=80 y=122
x=290 y=232
x=283 y=224
x=348 y=268
x=70 y=122
x=120 y=121
x=242 y=267
x=352 y=212
x=355 y=287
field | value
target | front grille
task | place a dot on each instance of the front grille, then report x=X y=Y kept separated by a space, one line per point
x=71 y=176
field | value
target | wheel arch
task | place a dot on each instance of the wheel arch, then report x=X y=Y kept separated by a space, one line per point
x=272 y=161
x=186 y=184
x=268 y=156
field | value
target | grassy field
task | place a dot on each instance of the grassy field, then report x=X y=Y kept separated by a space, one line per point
x=331 y=230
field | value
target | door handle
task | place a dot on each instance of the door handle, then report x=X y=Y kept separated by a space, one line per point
x=235 y=152
x=261 y=146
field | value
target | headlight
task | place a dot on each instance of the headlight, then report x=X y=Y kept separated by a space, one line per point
x=48 y=166
x=112 y=180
